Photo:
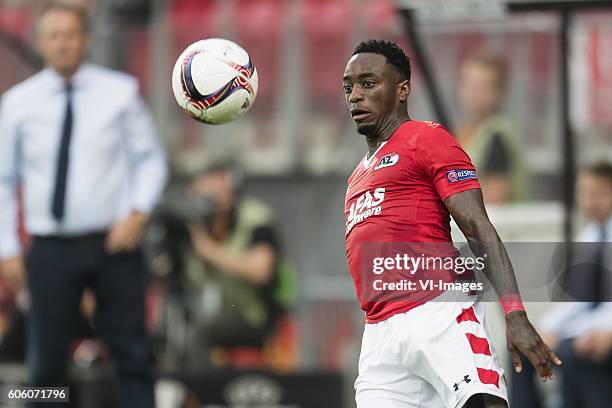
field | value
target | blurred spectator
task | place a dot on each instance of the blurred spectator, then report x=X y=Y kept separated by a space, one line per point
x=486 y=133
x=581 y=332
x=80 y=140
x=233 y=278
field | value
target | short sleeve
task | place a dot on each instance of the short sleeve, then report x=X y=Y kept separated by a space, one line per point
x=498 y=158
x=445 y=162
x=264 y=235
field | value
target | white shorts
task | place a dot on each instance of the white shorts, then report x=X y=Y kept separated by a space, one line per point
x=436 y=355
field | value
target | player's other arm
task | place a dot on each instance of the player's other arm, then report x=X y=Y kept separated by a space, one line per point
x=468 y=211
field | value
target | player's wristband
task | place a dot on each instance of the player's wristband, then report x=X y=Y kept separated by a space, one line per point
x=511 y=303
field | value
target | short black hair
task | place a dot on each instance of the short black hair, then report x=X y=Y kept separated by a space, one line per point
x=77 y=10
x=390 y=50
x=600 y=169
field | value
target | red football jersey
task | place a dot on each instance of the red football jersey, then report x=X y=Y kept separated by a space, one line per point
x=397 y=197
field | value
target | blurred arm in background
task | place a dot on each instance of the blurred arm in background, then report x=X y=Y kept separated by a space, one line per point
x=148 y=167
x=255 y=265
x=12 y=265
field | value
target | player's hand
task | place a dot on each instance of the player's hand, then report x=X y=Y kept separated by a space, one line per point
x=14 y=273
x=595 y=345
x=125 y=234
x=522 y=337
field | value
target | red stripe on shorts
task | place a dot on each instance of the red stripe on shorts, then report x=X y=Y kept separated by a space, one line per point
x=488 y=376
x=478 y=344
x=467 y=315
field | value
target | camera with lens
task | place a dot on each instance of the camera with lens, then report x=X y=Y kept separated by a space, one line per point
x=168 y=233
x=180 y=207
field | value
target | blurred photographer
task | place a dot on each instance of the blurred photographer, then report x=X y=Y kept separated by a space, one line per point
x=225 y=256
x=486 y=133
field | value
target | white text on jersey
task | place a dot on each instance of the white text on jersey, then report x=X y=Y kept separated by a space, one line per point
x=365 y=206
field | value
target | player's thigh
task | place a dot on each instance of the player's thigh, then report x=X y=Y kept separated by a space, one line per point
x=384 y=380
x=453 y=352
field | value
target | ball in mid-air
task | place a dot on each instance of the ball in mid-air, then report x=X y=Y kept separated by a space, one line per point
x=214 y=80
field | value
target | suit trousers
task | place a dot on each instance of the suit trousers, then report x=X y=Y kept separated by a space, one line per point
x=59 y=269
x=584 y=384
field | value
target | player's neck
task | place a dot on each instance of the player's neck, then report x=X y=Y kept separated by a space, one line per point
x=375 y=140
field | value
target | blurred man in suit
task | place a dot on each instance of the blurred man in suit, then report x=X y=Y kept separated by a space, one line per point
x=581 y=329
x=81 y=142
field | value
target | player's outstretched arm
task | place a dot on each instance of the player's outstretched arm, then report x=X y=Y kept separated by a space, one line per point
x=468 y=211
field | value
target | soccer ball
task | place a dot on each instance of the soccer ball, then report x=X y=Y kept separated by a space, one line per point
x=214 y=81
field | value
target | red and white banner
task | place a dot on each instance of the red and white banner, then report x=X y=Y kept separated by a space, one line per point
x=591 y=71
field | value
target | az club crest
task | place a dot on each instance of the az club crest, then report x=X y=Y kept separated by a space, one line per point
x=387 y=161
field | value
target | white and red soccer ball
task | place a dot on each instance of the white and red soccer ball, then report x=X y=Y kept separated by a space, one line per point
x=214 y=80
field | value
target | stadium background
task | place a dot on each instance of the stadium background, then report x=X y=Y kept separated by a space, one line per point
x=297 y=145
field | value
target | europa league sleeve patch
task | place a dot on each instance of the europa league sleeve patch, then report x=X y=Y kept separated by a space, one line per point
x=455 y=176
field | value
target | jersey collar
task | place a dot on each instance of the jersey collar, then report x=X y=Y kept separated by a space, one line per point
x=367 y=161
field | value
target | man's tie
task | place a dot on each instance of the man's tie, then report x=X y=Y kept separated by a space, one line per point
x=599 y=269
x=59 y=193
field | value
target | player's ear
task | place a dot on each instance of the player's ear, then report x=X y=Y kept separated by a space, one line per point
x=404 y=90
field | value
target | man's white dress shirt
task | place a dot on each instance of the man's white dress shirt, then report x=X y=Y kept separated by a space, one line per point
x=116 y=161
x=574 y=319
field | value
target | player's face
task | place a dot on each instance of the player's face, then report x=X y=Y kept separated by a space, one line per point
x=373 y=92
x=594 y=196
x=62 y=41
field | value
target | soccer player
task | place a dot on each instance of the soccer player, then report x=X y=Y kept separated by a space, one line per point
x=417 y=350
